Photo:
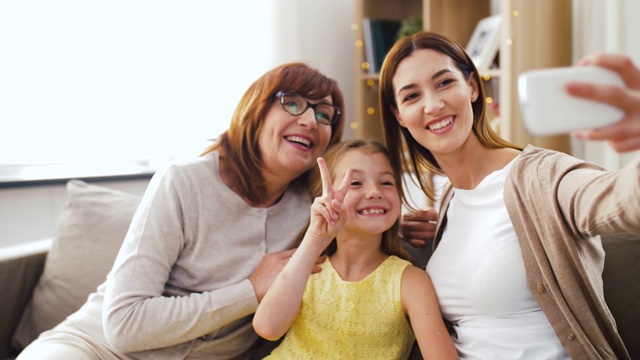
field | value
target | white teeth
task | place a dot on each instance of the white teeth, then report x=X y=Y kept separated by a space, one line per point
x=299 y=140
x=372 y=211
x=441 y=124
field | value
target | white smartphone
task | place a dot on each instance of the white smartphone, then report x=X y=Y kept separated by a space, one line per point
x=547 y=109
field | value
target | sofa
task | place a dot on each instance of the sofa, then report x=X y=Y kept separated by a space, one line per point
x=44 y=281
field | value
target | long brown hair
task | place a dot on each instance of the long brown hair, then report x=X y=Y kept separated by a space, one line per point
x=413 y=155
x=391 y=243
x=239 y=144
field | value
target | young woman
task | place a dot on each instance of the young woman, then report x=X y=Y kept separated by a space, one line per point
x=211 y=234
x=518 y=260
x=366 y=300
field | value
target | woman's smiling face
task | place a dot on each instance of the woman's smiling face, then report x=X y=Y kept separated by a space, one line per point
x=291 y=144
x=434 y=100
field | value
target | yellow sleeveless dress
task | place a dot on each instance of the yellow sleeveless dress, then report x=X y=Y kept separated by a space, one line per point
x=350 y=320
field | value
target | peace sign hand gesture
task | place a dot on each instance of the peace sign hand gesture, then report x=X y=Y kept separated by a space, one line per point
x=328 y=214
x=281 y=304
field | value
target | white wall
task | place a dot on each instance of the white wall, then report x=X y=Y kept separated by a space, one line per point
x=157 y=78
x=124 y=79
x=31 y=213
x=318 y=32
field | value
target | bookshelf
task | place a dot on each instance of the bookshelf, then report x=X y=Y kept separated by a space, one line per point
x=535 y=34
x=366 y=121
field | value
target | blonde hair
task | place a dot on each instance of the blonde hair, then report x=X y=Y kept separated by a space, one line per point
x=391 y=242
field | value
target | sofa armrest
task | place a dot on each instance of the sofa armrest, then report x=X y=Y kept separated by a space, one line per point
x=20 y=268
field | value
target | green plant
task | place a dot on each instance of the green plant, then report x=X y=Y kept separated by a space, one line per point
x=410 y=26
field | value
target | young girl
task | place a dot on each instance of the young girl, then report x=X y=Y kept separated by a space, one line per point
x=366 y=300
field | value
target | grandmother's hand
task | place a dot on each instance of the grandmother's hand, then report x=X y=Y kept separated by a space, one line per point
x=418 y=227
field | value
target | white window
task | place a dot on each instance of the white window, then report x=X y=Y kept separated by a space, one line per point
x=124 y=80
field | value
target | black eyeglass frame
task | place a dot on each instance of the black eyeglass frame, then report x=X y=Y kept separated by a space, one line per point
x=336 y=116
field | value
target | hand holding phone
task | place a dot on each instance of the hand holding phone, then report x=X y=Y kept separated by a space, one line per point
x=547 y=109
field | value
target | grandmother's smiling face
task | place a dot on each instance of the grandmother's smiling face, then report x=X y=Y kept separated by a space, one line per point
x=291 y=144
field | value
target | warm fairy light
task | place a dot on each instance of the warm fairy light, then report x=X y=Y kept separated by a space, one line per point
x=514 y=13
x=365 y=66
x=371 y=110
x=354 y=125
x=359 y=43
x=354 y=26
x=371 y=82
x=489 y=100
x=486 y=77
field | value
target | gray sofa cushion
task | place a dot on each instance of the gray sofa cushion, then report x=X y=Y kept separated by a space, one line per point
x=91 y=229
x=621 y=277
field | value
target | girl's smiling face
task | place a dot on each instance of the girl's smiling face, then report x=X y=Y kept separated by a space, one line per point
x=372 y=202
x=434 y=100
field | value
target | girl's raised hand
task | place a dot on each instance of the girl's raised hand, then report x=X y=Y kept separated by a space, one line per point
x=328 y=214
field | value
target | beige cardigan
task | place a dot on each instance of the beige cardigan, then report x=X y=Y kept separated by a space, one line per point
x=559 y=205
x=179 y=287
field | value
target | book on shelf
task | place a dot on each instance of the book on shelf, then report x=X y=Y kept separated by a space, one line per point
x=379 y=37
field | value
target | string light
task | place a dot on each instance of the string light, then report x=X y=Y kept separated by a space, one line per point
x=514 y=13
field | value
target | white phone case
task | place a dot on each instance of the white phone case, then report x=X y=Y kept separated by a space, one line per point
x=547 y=109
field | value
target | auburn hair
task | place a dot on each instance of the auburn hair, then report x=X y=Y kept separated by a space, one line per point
x=239 y=143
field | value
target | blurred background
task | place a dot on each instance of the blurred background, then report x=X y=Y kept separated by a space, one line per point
x=125 y=86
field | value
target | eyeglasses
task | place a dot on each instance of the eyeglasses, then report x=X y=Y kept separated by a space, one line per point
x=296 y=104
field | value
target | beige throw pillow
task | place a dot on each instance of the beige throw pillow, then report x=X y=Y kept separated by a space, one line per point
x=91 y=229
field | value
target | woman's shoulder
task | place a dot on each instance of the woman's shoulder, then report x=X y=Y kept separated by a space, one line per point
x=207 y=161
x=185 y=176
x=548 y=161
x=190 y=168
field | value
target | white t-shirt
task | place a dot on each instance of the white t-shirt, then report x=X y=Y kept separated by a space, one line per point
x=479 y=276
